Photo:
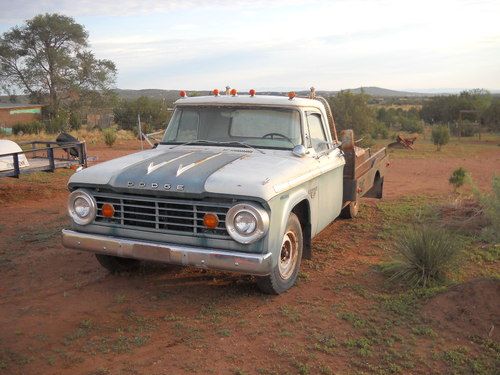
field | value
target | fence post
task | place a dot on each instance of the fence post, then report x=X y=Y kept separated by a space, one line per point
x=50 y=156
x=16 y=165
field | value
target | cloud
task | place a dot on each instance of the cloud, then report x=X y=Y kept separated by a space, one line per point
x=25 y=9
x=293 y=43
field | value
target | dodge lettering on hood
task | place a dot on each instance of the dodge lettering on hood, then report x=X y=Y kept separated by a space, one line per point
x=238 y=183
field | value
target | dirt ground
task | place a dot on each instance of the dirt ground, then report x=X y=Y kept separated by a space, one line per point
x=61 y=313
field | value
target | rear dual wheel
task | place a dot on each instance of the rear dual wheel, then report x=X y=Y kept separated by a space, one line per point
x=351 y=210
x=285 y=273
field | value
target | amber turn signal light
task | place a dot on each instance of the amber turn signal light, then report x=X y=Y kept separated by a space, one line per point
x=210 y=220
x=107 y=210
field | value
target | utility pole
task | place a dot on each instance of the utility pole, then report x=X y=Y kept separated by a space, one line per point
x=140 y=129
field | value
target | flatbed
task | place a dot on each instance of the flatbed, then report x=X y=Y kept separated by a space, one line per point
x=46 y=156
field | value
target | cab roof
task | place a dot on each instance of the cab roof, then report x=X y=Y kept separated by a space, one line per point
x=263 y=100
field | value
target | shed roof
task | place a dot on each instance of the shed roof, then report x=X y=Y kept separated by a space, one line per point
x=17 y=105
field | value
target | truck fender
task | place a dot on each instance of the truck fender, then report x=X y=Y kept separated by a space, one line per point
x=295 y=198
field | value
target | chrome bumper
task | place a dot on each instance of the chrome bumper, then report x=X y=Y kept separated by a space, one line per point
x=254 y=264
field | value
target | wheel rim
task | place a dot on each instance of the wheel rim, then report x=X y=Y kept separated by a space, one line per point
x=288 y=255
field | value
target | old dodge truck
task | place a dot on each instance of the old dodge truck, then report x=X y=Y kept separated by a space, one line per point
x=238 y=183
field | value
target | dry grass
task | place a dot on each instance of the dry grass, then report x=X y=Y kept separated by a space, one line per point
x=463 y=214
x=92 y=137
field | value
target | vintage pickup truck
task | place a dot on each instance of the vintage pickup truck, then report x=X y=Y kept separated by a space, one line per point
x=238 y=183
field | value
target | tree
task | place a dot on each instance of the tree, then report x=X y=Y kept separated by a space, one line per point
x=492 y=115
x=440 y=136
x=154 y=113
x=48 y=58
x=351 y=111
x=447 y=108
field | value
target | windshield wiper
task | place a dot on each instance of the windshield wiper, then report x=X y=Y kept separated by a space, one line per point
x=243 y=144
x=191 y=142
x=219 y=143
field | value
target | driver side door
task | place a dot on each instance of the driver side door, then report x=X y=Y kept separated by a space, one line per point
x=330 y=170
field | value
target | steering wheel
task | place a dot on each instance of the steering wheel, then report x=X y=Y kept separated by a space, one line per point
x=271 y=135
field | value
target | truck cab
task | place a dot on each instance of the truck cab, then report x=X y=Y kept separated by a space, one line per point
x=238 y=183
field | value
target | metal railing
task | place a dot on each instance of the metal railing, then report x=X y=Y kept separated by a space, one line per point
x=46 y=150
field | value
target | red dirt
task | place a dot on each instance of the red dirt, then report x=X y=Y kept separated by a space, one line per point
x=472 y=308
x=61 y=313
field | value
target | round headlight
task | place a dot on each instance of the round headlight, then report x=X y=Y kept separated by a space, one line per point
x=81 y=207
x=247 y=223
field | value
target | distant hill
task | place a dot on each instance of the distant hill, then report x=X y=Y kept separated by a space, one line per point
x=171 y=95
x=168 y=95
x=379 y=91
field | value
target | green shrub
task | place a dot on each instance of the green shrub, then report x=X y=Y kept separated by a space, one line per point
x=380 y=131
x=109 y=136
x=412 y=125
x=74 y=121
x=27 y=128
x=366 y=141
x=424 y=256
x=458 y=177
x=440 y=136
x=55 y=125
x=465 y=129
x=491 y=206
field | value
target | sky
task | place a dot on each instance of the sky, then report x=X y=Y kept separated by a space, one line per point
x=295 y=44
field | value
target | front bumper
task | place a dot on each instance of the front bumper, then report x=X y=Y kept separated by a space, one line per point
x=253 y=264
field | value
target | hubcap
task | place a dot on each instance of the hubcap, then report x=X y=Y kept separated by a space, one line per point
x=288 y=255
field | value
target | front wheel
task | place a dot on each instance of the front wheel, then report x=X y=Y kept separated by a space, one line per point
x=284 y=274
x=117 y=264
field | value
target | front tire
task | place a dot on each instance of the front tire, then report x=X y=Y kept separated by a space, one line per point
x=117 y=264
x=285 y=273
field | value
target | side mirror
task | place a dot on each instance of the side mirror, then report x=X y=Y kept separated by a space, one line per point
x=299 y=151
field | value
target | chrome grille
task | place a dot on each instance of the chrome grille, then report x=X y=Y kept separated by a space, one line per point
x=161 y=215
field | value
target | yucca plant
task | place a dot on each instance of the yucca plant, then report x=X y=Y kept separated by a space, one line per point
x=424 y=256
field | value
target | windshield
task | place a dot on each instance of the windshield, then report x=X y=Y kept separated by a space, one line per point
x=257 y=127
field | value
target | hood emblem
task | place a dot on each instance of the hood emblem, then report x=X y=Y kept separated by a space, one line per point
x=183 y=169
x=153 y=167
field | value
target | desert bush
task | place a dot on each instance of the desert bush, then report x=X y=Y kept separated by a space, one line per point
x=491 y=206
x=55 y=125
x=424 y=256
x=27 y=128
x=412 y=125
x=463 y=129
x=440 y=136
x=465 y=214
x=74 y=121
x=109 y=136
x=380 y=131
x=458 y=177
x=366 y=142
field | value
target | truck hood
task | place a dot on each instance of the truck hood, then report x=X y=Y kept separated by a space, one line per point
x=193 y=170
